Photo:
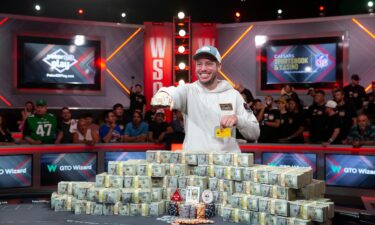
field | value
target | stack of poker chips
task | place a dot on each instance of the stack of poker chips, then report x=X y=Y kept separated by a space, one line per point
x=242 y=191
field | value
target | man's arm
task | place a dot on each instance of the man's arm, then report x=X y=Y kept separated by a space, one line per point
x=247 y=123
x=27 y=135
x=106 y=137
x=178 y=95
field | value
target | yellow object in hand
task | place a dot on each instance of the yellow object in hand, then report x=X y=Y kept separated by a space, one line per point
x=223 y=132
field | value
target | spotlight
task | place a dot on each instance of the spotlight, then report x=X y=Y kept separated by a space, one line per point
x=260 y=40
x=370 y=4
x=182 y=33
x=237 y=14
x=80 y=11
x=37 y=7
x=308 y=69
x=79 y=40
x=181 y=15
x=181 y=49
x=182 y=66
x=123 y=15
x=279 y=11
x=321 y=8
x=181 y=82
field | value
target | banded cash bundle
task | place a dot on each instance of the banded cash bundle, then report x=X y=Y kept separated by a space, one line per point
x=137 y=182
x=157 y=170
x=178 y=169
x=312 y=210
x=178 y=157
x=158 y=156
x=81 y=189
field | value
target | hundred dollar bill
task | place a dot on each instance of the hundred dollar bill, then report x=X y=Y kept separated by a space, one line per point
x=220 y=197
x=156 y=194
x=266 y=190
x=115 y=168
x=157 y=182
x=199 y=181
x=226 y=213
x=299 y=209
x=296 y=221
x=64 y=187
x=170 y=182
x=143 y=182
x=284 y=193
x=265 y=205
x=178 y=170
x=239 y=187
x=165 y=156
x=314 y=190
x=129 y=169
x=98 y=210
x=280 y=207
x=244 y=216
x=60 y=204
x=142 y=196
x=145 y=209
x=116 y=181
x=327 y=202
x=124 y=210
x=153 y=156
x=255 y=189
x=142 y=169
x=227 y=186
x=236 y=173
x=253 y=203
x=54 y=195
x=135 y=209
x=81 y=190
x=202 y=170
x=158 y=170
x=129 y=181
x=280 y=220
x=108 y=209
x=205 y=158
x=90 y=207
x=220 y=172
x=93 y=194
x=127 y=195
x=192 y=159
x=101 y=180
x=318 y=212
x=229 y=159
x=254 y=218
x=213 y=183
x=219 y=159
x=111 y=195
x=244 y=159
x=178 y=157
x=235 y=200
x=183 y=181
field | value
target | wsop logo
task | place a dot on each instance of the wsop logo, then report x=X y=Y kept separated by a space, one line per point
x=60 y=60
x=321 y=60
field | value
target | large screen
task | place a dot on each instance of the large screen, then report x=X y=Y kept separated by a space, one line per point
x=16 y=171
x=67 y=167
x=313 y=62
x=56 y=63
x=121 y=156
x=290 y=159
x=350 y=170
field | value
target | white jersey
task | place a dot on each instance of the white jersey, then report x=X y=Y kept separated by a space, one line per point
x=85 y=137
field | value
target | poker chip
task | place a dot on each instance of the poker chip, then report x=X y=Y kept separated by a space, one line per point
x=209 y=211
x=184 y=210
x=173 y=209
x=192 y=212
x=207 y=196
x=201 y=211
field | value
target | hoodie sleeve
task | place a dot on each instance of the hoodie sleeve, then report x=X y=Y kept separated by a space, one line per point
x=247 y=123
x=179 y=96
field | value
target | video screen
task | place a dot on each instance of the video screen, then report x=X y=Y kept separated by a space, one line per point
x=16 y=171
x=121 y=156
x=302 y=63
x=350 y=170
x=67 y=167
x=55 y=63
x=291 y=159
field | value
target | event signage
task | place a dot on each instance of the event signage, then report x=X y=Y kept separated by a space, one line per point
x=67 y=167
x=15 y=171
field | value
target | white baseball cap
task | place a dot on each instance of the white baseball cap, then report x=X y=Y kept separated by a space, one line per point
x=207 y=50
x=331 y=104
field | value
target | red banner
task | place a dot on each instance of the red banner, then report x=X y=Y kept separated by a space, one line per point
x=157 y=58
x=202 y=34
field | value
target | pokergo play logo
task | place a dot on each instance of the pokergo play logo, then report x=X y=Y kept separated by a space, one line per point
x=52 y=168
x=351 y=170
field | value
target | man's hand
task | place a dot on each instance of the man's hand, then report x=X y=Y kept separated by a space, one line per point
x=228 y=121
x=162 y=99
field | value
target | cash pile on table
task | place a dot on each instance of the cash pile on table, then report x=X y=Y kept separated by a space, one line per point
x=242 y=192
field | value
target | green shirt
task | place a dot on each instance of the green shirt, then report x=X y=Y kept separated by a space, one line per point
x=42 y=128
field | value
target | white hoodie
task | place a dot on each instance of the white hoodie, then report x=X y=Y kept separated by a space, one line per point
x=203 y=109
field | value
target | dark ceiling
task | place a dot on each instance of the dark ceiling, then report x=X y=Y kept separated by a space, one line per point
x=222 y=11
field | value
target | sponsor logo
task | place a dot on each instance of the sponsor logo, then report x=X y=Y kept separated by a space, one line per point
x=52 y=168
x=13 y=171
x=321 y=60
x=60 y=60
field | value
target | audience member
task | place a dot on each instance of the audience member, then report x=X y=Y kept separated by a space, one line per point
x=296 y=123
x=355 y=93
x=317 y=118
x=27 y=111
x=137 y=99
x=346 y=112
x=5 y=135
x=269 y=119
x=176 y=130
x=361 y=134
x=158 y=129
x=118 y=110
x=66 y=127
x=284 y=119
x=136 y=131
x=288 y=92
x=370 y=103
x=40 y=128
x=332 y=126
x=85 y=134
x=110 y=132
x=150 y=115
x=244 y=91
x=90 y=122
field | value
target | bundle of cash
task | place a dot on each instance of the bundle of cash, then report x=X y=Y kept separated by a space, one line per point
x=81 y=190
x=280 y=220
x=284 y=193
x=201 y=170
x=244 y=216
x=64 y=187
x=299 y=209
x=228 y=173
x=170 y=182
x=145 y=209
x=244 y=159
x=220 y=172
x=142 y=182
x=226 y=213
x=253 y=202
x=90 y=207
x=239 y=187
x=229 y=159
x=178 y=170
x=101 y=180
x=124 y=210
x=247 y=186
x=314 y=190
x=262 y=174
x=165 y=156
x=280 y=207
x=296 y=221
x=254 y=219
x=127 y=195
x=98 y=209
x=220 y=197
x=157 y=170
x=213 y=183
x=183 y=181
x=129 y=181
x=111 y=195
x=192 y=159
x=183 y=193
x=236 y=173
x=205 y=158
x=63 y=203
x=142 y=170
x=54 y=195
x=178 y=157
x=108 y=209
x=142 y=196
x=153 y=156
x=219 y=159
x=318 y=212
x=115 y=167
x=156 y=182
x=266 y=190
x=198 y=181
x=255 y=189
x=265 y=205
x=168 y=192
x=328 y=203
x=116 y=181
x=135 y=209
x=226 y=186
x=93 y=194
x=238 y=201
x=129 y=168
x=116 y=208
x=157 y=208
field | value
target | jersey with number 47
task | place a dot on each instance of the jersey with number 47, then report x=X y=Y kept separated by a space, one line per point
x=40 y=128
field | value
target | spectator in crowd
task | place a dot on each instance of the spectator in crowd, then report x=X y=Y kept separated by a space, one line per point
x=288 y=92
x=176 y=130
x=27 y=111
x=118 y=110
x=311 y=92
x=66 y=127
x=136 y=131
x=84 y=134
x=346 y=112
x=370 y=103
x=110 y=132
x=158 y=129
x=284 y=119
x=361 y=134
x=5 y=135
x=317 y=118
x=137 y=99
x=40 y=128
x=257 y=107
x=269 y=122
x=244 y=91
x=332 y=126
x=90 y=122
x=150 y=115
x=296 y=124
x=355 y=93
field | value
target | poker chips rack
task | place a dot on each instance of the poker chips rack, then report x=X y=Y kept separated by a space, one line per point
x=241 y=191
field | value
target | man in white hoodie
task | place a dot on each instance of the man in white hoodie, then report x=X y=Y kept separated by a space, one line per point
x=207 y=104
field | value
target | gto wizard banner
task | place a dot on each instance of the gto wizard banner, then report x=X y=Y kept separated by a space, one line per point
x=121 y=156
x=202 y=34
x=67 y=167
x=350 y=170
x=158 y=57
x=15 y=171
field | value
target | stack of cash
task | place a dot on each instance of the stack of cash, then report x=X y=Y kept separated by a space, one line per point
x=115 y=167
x=177 y=157
x=153 y=156
x=81 y=190
x=102 y=180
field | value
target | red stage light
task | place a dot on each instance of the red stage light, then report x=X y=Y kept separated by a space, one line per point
x=238 y=14
x=80 y=11
x=321 y=8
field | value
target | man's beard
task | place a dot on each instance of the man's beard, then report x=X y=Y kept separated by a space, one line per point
x=209 y=82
